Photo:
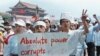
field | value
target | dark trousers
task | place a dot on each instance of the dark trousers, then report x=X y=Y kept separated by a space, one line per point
x=14 y=55
x=91 y=49
x=84 y=52
x=98 y=50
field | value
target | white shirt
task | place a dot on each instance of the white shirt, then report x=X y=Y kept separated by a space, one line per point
x=81 y=38
x=29 y=31
x=97 y=38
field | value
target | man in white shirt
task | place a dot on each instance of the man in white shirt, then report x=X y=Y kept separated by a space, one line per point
x=65 y=27
x=96 y=35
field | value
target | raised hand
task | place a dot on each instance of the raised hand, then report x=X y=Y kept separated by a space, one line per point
x=94 y=15
x=84 y=15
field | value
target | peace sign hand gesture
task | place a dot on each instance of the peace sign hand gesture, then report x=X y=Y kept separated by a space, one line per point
x=83 y=18
x=84 y=15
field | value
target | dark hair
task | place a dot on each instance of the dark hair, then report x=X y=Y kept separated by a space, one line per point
x=6 y=23
x=47 y=19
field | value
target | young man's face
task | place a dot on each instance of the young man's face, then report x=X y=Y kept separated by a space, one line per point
x=18 y=28
x=65 y=23
x=39 y=29
x=47 y=23
x=73 y=26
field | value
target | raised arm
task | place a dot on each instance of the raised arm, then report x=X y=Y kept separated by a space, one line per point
x=83 y=18
x=96 y=18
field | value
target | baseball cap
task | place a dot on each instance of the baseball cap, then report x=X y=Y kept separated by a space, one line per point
x=20 y=22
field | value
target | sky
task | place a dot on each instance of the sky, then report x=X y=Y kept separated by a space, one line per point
x=56 y=7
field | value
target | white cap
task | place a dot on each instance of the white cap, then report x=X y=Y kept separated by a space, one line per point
x=28 y=21
x=40 y=23
x=66 y=15
x=20 y=22
x=7 y=27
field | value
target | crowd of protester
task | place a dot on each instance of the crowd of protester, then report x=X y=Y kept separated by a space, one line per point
x=89 y=44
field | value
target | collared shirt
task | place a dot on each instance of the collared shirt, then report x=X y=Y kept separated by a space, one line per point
x=77 y=34
x=89 y=36
x=81 y=40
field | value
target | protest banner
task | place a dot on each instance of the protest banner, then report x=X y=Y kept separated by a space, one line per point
x=46 y=44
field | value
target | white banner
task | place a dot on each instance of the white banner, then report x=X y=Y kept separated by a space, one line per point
x=47 y=44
